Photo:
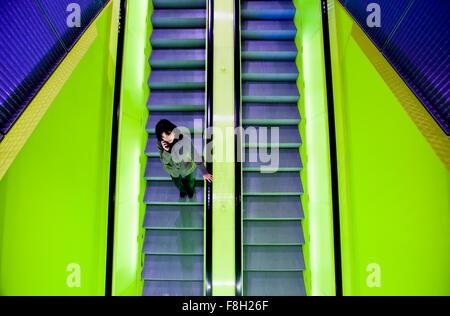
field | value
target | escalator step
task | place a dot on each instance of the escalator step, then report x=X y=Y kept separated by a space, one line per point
x=270 y=258
x=273 y=233
x=269 y=50
x=269 y=71
x=174 y=216
x=179 y=18
x=268 y=30
x=284 y=160
x=263 y=92
x=174 y=100
x=173 y=268
x=179 y=4
x=272 y=207
x=166 y=192
x=280 y=182
x=170 y=242
x=268 y=10
x=178 y=38
x=177 y=79
x=264 y=111
x=177 y=59
x=274 y=284
x=173 y=288
x=272 y=134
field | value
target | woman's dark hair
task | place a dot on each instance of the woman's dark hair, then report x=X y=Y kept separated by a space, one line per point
x=164 y=126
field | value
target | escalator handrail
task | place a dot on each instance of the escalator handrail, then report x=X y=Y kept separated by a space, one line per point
x=238 y=147
x=209 y=166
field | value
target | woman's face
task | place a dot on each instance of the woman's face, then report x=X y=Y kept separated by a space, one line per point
x=169 y=138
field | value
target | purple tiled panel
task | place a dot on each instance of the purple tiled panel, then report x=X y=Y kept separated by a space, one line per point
x=34 y=38
x=414 y=37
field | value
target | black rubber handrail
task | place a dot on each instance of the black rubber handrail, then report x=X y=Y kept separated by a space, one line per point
x=209 y=166
x=238 y=141
x=114 y=150
x=333 y=150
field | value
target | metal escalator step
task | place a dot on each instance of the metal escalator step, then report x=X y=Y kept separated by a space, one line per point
x=273 y=233
x=176 y=79
x=173 y=288
x=271 y=134
x=269 y=50
x=173 y=268
x=176 y=98
x=179 y=4
x=173 y=242
x=177 y=59
x=273 y=258
x=274 y=284
x=264 y=92
x=171 y=216
x=268 y=10
x=166 y=192
x=268 y=30
x=179 y=18
x=272 y=206
x=280 y=182
x=285 y=158
x=269 y=71
x=265 y=111
x=178 y=38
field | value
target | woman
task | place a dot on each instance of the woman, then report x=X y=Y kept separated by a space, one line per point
x=182 y=172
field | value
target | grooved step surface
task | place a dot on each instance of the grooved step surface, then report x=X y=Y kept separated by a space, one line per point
x=177 y=59
x=274 y=284
x=177 y=242
x=179 y=4
x=272 y=207
x=268 y=10
x=273 y=232
x=269 y=258
x=164 y=191
x=179 y=18
x=173 y=268
x=173 y=288
x=171 y=216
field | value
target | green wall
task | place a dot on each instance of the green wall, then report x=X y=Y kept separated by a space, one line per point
x=130 y=188
x=54 y=197
x=394 y=190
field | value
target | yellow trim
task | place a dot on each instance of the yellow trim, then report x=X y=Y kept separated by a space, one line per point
x=429 y=128
x=25 y=125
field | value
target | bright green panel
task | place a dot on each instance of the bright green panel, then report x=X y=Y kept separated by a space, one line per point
x=394 y=197
x=223 y=164
x=54 y=197
x=130 y=209
x=316 y=175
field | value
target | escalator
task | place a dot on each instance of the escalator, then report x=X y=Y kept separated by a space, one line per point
x=273 y=262
x=174 y=240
